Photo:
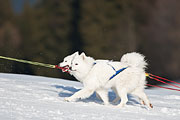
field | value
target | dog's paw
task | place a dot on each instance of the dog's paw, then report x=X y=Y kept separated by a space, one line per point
x=106 y=103
x=69 y=99
x=121 y=105
x=150 y=105
x=116 y=100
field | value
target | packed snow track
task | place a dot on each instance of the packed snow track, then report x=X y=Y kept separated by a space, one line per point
x=24 y=97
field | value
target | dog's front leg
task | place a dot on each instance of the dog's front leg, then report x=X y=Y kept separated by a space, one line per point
x=82 y=94
x=117 y=96
x=103 y=94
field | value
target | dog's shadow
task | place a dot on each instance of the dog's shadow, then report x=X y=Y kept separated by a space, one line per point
x=67 y=91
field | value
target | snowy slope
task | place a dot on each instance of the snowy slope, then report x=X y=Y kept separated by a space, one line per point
x=25 y=97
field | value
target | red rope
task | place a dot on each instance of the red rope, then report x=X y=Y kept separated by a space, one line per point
x=65 y=69
x=163 y=87
x=163 y=78
x=163 y=82
x=156 y=78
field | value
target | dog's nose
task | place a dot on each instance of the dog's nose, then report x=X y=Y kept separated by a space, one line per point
x=70 y=68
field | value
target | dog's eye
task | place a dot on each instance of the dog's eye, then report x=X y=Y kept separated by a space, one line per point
x=65 y=61
x=76 y=64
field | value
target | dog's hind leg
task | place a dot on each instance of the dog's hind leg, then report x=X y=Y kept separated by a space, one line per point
x=103 y=94
x=141 y=101
x=123 y=95
x=144 y=99
x=82 y=94
x=97 y=95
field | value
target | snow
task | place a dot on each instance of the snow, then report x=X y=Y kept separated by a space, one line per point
x=24 y=97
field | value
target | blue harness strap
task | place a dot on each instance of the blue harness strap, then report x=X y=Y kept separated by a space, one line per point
x=117 y=72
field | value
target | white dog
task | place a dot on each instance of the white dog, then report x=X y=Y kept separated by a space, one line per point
x=67 y=63
x=103 y=75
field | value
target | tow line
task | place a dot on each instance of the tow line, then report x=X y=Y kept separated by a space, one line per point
x=162 y=80
x=36 y=63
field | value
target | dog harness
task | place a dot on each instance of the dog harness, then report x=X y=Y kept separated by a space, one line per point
x=116 y=71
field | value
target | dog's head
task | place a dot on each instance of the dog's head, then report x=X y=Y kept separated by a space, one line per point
x=81 y=65
x=68 y=61
x=78 y=62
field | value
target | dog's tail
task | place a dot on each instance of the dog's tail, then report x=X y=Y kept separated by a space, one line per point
x=134 y=60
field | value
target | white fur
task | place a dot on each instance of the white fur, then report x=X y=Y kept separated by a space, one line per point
x=95 y=77
x=68 y=61
x=132 y=80
x=134 y=59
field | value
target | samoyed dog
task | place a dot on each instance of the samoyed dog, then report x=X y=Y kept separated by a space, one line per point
x=126 y=76
x=67 y=62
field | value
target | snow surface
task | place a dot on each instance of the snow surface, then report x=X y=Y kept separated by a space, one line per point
x=24 y=97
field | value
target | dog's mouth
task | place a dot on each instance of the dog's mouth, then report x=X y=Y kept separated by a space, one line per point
x=70 y=69
x=65 y=68
x=73 y=70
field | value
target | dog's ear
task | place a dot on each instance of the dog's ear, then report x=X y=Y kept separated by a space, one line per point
x=83 y=56
x=76 y=53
